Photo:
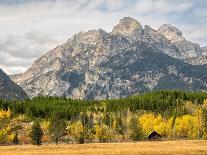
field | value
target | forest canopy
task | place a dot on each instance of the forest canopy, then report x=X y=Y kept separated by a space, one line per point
x=173 y=114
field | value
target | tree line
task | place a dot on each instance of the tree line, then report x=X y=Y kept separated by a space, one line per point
x=174 y=114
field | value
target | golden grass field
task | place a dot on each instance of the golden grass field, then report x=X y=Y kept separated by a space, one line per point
x=181 y=147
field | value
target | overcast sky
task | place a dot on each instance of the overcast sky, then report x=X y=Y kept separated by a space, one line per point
x=30 y=28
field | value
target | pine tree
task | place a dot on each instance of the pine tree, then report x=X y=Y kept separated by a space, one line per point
x=36 y=134
x=119 y=125
x=16 y=140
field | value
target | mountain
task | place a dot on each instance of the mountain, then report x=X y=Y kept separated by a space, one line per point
x=129 y=60
x=8 y=89
x=204 y=50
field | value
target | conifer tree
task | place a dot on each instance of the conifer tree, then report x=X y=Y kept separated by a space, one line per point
x=16 y=140
x=36 y=134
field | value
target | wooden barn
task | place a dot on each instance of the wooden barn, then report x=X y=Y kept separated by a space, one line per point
x=154 y=136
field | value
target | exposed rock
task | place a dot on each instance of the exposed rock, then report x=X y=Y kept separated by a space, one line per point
x=129 y=60
x=171 y=33
x=204 y=51
x=127 y=26
x=8 y=89
x=188 y=49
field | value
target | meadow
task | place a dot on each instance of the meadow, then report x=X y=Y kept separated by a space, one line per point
x=181 y=147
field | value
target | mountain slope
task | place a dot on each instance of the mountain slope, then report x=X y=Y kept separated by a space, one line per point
x=129 y=60
x=8 y=89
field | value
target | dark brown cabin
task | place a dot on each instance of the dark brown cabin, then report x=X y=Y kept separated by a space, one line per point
x=154 y=136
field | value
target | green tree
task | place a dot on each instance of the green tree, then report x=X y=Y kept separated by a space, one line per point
x=89 y=129
x=135 y=131
x=119 y=125
x=36 y=134
x=16 y=140
x=57 y=129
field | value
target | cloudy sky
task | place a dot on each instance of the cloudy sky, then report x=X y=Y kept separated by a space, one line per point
x=29 y=28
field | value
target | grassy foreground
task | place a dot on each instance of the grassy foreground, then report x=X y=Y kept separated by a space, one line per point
x=182 y=147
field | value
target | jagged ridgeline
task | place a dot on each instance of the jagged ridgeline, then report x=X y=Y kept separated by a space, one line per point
x=131 y=59
x=167 y=103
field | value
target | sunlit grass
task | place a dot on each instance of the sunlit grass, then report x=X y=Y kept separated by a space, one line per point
x=181 y=147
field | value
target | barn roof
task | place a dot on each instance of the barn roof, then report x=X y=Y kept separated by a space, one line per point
x=152 y=134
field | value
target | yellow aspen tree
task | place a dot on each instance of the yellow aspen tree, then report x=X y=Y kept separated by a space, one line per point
x=146 y=123
x=8 y=113
x=169 y=127
x=200 y=121
x=150 y=122
x=159 y=125
x=187 y=126
x=205 y=103
x=76 y=130
x=3 y=113
x=205 y=119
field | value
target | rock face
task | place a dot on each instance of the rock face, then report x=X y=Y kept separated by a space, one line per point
x=129 y=60
x=171 y=33
x=127 y=26
x=187 y=51
x=204 y=51
x=8 y=89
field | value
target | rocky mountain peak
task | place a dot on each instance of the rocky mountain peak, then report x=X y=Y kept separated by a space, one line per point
x=126 y=26
x=171 y=33
x=131 y=59
x=91 y=37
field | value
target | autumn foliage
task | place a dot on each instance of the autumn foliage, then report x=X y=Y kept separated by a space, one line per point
x=173 y=114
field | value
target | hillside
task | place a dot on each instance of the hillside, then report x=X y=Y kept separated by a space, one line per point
x=8 y=89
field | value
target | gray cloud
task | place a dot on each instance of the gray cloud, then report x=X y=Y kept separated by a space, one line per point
x=19 y=51
x=28 y=45
x=29 y=28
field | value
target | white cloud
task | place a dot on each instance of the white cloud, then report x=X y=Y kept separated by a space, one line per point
x=195 y=33
x=30 y=29
x=12 y=70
